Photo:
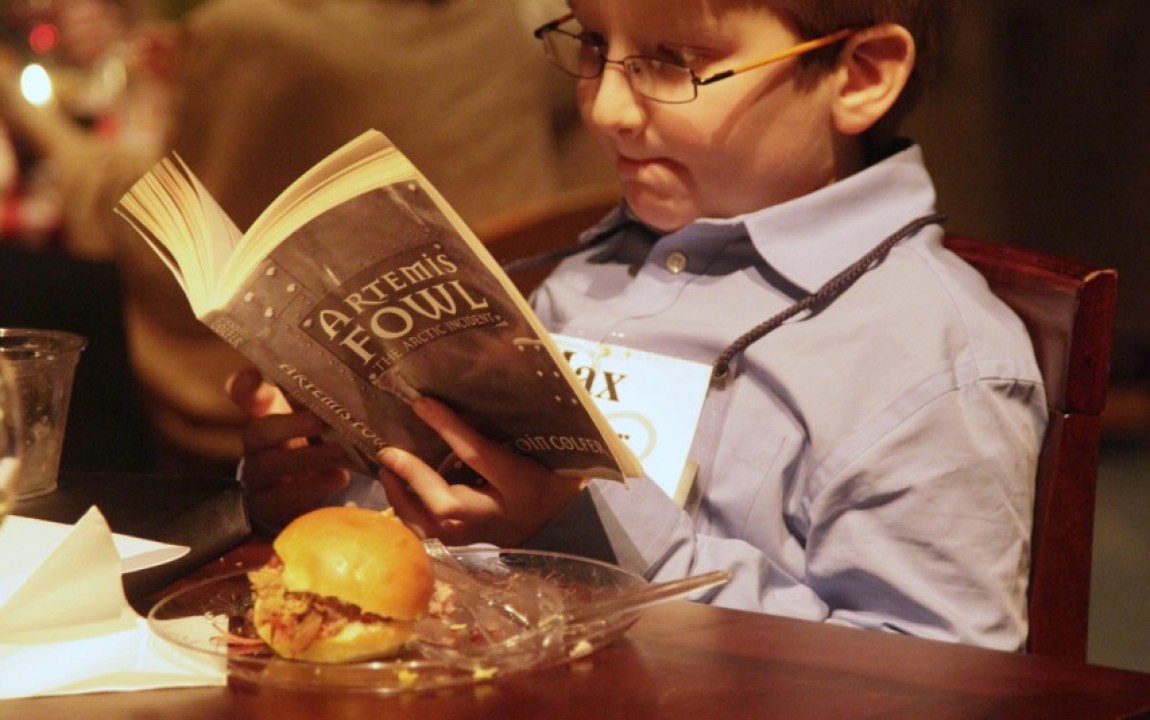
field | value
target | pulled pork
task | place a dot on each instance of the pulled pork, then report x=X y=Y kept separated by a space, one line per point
x=292 y=621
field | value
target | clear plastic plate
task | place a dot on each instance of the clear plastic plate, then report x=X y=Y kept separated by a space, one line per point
x=513 y=611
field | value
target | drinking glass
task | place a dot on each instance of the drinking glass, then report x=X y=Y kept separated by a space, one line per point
x=11 y=443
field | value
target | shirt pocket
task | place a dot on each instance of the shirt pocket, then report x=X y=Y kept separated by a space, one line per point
x=743 y=495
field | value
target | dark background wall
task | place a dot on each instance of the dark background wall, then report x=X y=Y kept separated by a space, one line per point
x=1038 y=133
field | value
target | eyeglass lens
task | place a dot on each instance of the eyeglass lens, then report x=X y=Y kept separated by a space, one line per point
x=573 y=54
x=650 y=77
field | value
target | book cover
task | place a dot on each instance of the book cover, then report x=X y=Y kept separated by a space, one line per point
x=366 y=301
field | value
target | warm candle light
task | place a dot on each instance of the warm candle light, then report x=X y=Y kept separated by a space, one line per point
x=35 y=84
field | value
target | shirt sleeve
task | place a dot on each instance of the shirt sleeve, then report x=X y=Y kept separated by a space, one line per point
x=925 y=532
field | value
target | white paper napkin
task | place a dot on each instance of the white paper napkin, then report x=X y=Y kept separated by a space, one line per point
x=35 y=539
x=65 y=625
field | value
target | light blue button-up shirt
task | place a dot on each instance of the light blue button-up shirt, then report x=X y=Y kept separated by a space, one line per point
x=871 y=462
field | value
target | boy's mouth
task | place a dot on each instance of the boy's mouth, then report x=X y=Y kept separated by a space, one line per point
x=648 y=169
x=625 y=165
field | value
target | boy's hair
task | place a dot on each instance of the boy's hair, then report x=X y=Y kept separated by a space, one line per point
x=928 y=21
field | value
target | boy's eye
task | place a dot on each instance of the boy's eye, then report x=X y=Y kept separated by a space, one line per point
x=677 y=56
x=593 y=39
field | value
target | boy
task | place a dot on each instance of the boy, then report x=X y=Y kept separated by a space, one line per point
x=870 y=460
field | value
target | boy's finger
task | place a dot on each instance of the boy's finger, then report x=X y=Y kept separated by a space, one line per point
x=493 y=462
x=248 y=391
x=406 y=505
x=266 y=469
x=283 y=500
x=431 y=489
x=275 y=431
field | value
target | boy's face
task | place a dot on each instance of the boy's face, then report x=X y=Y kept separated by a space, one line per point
x=745 y=143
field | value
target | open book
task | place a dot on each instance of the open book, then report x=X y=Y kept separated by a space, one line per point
x=358 y=290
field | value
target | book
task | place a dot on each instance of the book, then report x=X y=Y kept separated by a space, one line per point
x=358 y=290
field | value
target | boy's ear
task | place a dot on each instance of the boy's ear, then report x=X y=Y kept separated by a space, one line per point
x=873 y=70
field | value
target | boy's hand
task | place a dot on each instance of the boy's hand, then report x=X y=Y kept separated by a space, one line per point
x=518 y=498
x=283 y=474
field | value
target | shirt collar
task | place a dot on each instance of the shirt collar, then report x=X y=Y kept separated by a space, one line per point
x=810 y=239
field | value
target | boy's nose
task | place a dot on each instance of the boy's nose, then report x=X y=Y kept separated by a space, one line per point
x=615 y=105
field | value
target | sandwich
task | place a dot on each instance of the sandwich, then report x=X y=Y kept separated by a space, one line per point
x=345 y=584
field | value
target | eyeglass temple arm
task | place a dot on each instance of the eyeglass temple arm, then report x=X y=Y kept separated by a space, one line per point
x=789 y=53
x=549 y=26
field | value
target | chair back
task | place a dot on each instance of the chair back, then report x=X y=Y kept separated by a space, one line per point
x=539 y=228
x=1068 y=308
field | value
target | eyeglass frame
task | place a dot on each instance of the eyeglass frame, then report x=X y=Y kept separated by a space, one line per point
x=802 y=48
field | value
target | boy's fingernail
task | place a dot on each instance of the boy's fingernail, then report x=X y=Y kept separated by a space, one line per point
x=385 y=456
x=423 y=408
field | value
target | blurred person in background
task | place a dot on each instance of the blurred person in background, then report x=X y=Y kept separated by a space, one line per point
x=259 y=91
x=88 y=83
x=29 y=202
x=74 y=59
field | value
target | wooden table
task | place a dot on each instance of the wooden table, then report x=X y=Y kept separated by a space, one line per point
x=688 y=661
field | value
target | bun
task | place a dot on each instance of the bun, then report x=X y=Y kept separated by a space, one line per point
x=346 y=584
x=363 y=557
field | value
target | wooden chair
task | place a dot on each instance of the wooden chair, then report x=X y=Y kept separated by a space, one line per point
x=547 y=225
x=1068 y=308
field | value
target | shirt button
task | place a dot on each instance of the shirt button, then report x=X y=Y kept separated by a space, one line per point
x=676 y=263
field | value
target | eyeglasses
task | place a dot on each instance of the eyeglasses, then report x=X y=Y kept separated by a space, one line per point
x=661 y=80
